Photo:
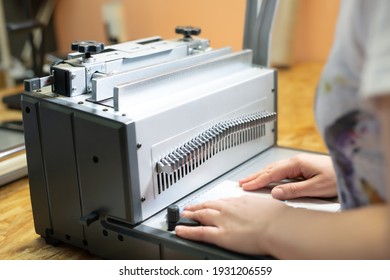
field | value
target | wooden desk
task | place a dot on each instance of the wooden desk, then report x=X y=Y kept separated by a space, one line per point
x=296 y=129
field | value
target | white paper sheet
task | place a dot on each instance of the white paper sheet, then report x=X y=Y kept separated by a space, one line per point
x=229 y=188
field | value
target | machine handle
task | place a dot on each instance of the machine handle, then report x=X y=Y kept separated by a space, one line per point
x=187 y=31
x=87 y=47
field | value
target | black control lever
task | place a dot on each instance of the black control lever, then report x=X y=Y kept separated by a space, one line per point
x=187 y=31
x=87 y=47
x=174 y=219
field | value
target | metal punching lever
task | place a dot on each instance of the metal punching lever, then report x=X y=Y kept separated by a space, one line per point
x=89 y=219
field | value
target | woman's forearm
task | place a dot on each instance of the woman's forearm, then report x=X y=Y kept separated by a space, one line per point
x=354 y=234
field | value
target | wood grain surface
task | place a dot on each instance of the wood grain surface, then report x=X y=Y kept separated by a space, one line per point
x=296 y=129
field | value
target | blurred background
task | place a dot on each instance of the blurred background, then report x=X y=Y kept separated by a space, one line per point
x=303 y=29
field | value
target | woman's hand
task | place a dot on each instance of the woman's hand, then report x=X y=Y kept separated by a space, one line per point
x=238 y=223
x=319 y=179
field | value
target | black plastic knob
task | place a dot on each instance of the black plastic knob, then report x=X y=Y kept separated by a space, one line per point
x=87 y=47
x=188 y=31
x=173 y=216
x=174 y=219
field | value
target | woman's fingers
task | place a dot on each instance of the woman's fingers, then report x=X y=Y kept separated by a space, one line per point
x=292 y=190
x=211 y=204
x=202 y=233
x=274 y=172
x=207 y=217
x=313 y=187
x=206 y=213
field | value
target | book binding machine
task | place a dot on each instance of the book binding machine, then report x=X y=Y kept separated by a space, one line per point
x=116 y=134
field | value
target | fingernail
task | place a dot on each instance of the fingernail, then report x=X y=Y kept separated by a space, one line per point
x=277 y=193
